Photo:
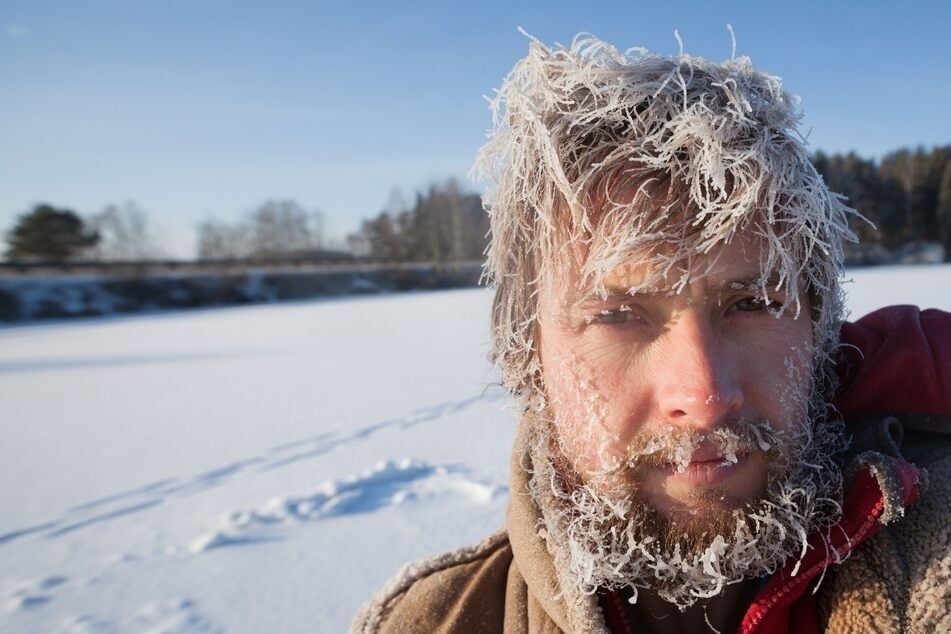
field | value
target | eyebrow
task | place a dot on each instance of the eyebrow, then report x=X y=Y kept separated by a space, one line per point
x=772 y=281
x=618 y=293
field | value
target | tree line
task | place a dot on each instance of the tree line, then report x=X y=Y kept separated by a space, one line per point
x=52 y=234
x=276 y=228
x=906 y=196
x=443 y=224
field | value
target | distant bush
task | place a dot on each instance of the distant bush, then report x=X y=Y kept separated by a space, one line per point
x=49 y=234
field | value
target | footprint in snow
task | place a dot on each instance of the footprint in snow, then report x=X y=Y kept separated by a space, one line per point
x=386 y=484
x=33 y=594
x=180 y=615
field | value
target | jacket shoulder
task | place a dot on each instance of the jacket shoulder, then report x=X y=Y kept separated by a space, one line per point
x=900 y=580
x=923 y=545
x=896 y=359
x=459 y=591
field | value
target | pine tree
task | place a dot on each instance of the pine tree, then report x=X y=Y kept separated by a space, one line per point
x=49 y=234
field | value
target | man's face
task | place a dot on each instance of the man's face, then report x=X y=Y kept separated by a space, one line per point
x=626 y=374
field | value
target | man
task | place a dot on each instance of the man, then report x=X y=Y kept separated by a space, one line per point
x=666 y=264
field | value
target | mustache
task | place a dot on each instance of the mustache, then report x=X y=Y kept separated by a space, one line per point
x=676 y=446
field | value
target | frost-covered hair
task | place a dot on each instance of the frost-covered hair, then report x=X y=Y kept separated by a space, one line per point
x=599 y=158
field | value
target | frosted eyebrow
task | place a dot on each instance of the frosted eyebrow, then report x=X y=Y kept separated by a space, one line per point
x=620 y=293
x=773 y=281
x=612 y=293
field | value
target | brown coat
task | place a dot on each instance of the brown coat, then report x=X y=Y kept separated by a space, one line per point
x=897 y=581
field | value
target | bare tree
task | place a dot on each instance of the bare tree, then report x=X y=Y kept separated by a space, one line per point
x=220 y=241
x=395 y=203
x=275 y=228
x=282 y=227
x=124 y=234
x=445 y=224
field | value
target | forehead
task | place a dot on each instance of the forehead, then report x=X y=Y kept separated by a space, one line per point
x=665 y=269
x=741 y=258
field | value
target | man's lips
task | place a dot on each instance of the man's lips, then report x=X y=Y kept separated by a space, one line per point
x=704 y=469
x=706 y=453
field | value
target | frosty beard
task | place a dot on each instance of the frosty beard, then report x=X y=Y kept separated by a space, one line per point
x=619 y=541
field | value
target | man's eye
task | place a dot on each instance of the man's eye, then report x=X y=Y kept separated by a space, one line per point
x=753 y=304
x=614 y=316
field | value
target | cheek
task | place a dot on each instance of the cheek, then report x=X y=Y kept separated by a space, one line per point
x=785 y=380
x=799 y=377
x=583 y=403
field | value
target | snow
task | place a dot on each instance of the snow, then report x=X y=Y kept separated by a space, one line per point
x=259 y=469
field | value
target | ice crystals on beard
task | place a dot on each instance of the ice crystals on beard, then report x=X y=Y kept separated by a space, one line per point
x=711 y=557
x=760 y=441
x=682 y=454
x=710 y=560
x=728 y=444
x=677 y=448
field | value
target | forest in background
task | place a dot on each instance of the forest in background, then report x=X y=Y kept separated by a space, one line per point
x=905 y=196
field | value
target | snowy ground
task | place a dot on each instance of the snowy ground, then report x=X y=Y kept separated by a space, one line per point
x=258 y=469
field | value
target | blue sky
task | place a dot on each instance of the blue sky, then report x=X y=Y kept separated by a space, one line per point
x=195 y=109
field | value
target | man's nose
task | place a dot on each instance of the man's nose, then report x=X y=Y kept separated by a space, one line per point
x=698 y=383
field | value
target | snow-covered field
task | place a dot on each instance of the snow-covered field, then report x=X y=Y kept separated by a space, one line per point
x=258 y=469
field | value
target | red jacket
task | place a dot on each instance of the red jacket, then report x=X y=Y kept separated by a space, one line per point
x=897 y=359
